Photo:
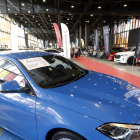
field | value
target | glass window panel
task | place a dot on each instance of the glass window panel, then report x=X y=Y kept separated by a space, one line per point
x=13 y=6
x=3 y=6
x=26 y=8
x=39 y=9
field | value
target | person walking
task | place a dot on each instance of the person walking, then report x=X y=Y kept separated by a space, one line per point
x=76 y=52
x=86 y=51
x=79 y=51
x=72 y=52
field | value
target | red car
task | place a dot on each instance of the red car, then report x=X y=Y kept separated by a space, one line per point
x=138 y=62
x=113 y=51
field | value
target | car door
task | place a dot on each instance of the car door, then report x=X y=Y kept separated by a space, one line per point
x=17 y=110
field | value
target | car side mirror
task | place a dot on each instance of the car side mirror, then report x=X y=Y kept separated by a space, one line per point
x=9 y=87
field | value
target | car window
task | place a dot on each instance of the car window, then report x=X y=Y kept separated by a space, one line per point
x=9 y=72
x=59 y=71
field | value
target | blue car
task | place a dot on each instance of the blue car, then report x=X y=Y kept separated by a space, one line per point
x=41 y=102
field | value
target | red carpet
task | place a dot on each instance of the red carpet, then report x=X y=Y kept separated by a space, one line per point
x=99 y=67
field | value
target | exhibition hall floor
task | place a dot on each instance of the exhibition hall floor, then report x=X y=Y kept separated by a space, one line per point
x=128 y=73
x=122 y=71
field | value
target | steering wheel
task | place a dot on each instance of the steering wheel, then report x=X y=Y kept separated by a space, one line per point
x=57 y=69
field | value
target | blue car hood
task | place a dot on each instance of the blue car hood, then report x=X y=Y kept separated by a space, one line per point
x=100 y=96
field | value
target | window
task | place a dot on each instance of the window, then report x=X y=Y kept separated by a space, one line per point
x=9 y=72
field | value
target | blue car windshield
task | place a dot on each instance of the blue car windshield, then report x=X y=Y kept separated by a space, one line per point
x=59 y=71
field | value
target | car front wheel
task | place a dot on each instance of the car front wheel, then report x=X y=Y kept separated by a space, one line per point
x=131 y=61
x=66 y=135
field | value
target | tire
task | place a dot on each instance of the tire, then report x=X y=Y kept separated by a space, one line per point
x=66 y=135
x=131 y=60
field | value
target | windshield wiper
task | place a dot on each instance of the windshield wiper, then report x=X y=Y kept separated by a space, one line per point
x=79 y=76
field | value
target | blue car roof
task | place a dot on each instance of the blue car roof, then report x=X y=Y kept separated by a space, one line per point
x=23 y=54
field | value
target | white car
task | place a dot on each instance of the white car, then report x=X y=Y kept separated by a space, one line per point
x=125 y=57
x=54 y=52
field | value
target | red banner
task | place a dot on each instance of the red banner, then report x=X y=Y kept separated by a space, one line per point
x=58 y=35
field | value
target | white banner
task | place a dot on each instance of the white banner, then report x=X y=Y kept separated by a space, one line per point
x=66 y=40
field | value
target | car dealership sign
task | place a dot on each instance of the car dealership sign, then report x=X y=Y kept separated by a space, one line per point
x=106 y=39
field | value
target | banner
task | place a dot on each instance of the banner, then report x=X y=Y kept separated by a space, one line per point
x=96 y=40
x=82 y=41
x=58 y=35
x=111 y=37
x=137 y=52
x=106 y=39
x=66 y=40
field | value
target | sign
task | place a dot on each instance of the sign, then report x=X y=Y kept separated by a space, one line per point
x=66 y=40
x=58 y=35
x=106 y=39
x=137 y=52
x=96 y=42
x=34 y=63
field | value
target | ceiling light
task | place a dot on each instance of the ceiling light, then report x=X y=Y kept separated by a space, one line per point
x=99 y=7
x=66 y=23
x=125 y=5
x=33 y=16
x=68 y=19
x=48 y=15
x=38 y=24
x=70 y=14
x=22 y=4
x=25 y=21
x=9 y=9
x=44 y=0
x=15 y=14
x=72 y=6
x=36 y=21
x=47 y=9
x=104 y=21
x=91 y=15
x=29 y=11
x=50 y=20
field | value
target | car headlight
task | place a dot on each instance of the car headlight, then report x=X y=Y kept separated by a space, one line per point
x=121 y=131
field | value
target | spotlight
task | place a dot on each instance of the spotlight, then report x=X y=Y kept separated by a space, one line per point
x=99 y=7
x=70 y=14
x=44 y=0
x=91 y=15
x=68 y=19
x=48 y=15
x=72 y=6
x=125 y=5
x=22 y=4
x=15 y=14
x=47 y=9
x=29 y=11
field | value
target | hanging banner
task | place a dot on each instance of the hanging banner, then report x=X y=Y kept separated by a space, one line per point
x=66 y=40
x=106 y=39
x=111 y=38
x=58 y=35
x=96 y=42
x=82 y=41
x=137 y=52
